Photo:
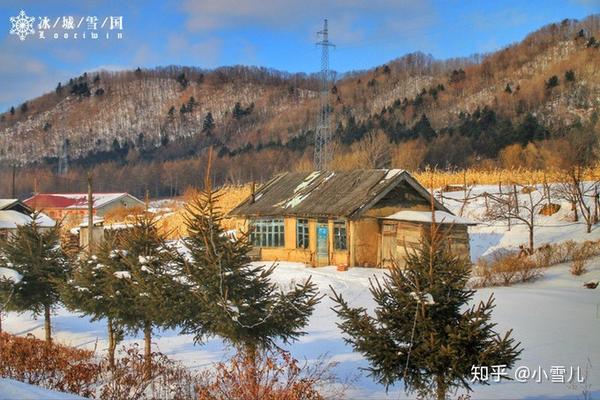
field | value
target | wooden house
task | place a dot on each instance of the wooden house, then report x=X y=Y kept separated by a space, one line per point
x=351 y=218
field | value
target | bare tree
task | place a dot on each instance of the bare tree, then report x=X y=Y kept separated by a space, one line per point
x=524 y=208
x=580 y=193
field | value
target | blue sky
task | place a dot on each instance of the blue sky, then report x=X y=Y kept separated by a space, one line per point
x=272 y=33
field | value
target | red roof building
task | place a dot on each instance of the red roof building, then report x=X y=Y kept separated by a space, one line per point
x=75 y=205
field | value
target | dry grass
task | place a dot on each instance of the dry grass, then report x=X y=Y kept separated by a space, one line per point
x=173 y=224
x=492 y=176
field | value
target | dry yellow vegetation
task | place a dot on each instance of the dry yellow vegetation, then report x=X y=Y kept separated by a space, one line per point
x=173 y=223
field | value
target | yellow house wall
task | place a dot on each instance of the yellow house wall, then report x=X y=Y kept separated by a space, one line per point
x=367 y=237
x=289 y=252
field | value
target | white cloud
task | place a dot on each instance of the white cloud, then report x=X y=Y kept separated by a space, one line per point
x=345 y=15
x=203 y=53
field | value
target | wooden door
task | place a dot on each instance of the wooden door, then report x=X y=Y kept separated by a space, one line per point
x=389 y=247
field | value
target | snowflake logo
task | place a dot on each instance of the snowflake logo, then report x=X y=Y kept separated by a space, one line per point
x=22 y=25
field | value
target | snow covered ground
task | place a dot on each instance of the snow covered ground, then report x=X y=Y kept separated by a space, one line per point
x=15 y=390
x=555 y=318
x=490 y=236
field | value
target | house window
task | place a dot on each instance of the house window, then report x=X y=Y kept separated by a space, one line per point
x=302 y=233
x=339 y=235
x=267 y=233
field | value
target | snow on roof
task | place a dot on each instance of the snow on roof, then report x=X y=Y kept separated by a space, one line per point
x=97 y=221
x=5 y=203
x=10 y=219
x=441 y=217
x=73 y=200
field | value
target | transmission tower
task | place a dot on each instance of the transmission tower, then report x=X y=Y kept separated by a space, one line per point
x=63 y=158
x=323 y=152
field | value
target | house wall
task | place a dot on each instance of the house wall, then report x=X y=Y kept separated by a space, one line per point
x=402 y=197
x=366 y=241
x=123 y=202
x=290 y=252
x=409 y=235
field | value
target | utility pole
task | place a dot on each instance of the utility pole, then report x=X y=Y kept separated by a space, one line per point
x=90 y=201
x=14 y=173
x=323 y=153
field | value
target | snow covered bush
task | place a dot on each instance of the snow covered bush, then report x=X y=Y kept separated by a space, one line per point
x=49 y=365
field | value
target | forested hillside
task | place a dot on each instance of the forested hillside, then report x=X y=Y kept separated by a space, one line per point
x=148 y=129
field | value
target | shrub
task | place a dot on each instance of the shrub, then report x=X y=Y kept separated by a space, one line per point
x=66 y=369
x=508 y=268
x=49 y=365
x=274 y=375
x=127 y=380
x=581 y=255
x=505 y=270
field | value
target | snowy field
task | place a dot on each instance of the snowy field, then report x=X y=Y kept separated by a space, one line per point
x=555 y=318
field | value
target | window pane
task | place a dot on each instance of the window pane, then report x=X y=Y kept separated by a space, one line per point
x=302 y=233
x=339 y=232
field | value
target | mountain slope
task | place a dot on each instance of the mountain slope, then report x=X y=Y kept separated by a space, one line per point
x=544 y=83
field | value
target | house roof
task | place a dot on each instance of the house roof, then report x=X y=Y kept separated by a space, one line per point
x=6 y=203
x=74 y=200
x=10 y=219
x=16 y=205
x=325 y=193
x=441 y=217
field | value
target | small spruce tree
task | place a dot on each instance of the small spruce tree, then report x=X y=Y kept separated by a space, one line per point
x=95 y=290
x=131 y=283
x=229 y=296
x=35 y=253
x=422 y=332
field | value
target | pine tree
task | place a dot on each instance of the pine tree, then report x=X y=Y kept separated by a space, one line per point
x=238 y=111
x=129 y=282
x=147 y=266
x=230 y=297
x=209 y=123
x=94 y=290
x=35 y=253
x=422 y=332
x=191 y=104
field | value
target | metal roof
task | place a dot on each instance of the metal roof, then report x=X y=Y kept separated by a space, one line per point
x=74 y=200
